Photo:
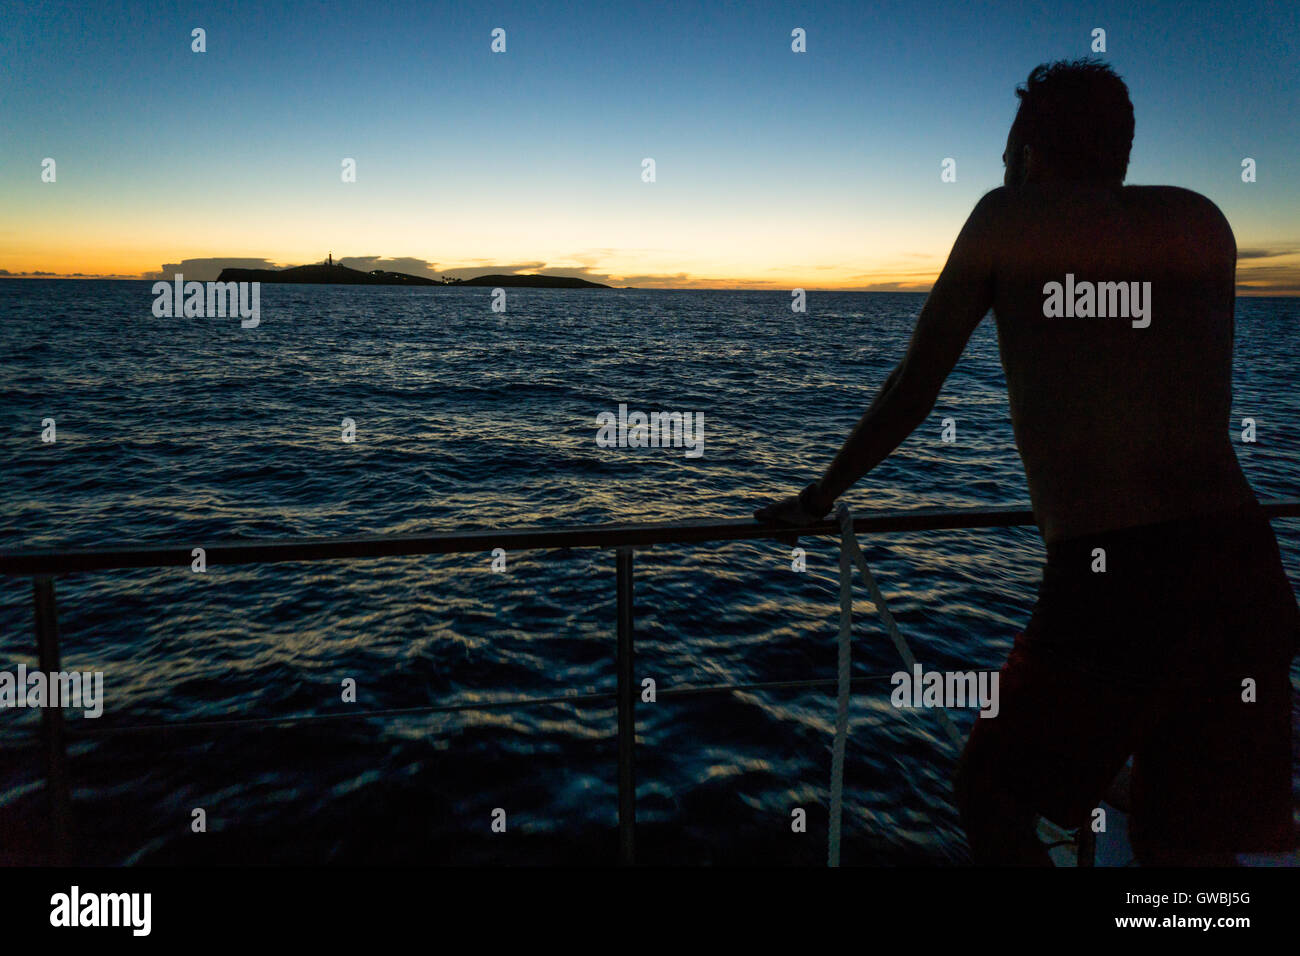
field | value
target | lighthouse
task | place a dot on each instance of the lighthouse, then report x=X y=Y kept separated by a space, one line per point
x=330 y=261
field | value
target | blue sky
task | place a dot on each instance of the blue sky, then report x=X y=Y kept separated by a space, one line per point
x=773 y=168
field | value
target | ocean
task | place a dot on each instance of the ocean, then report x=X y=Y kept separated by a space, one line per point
x=196 y=430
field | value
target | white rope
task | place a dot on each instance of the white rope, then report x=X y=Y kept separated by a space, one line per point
x=851 y=554
x=842 y=701
x=900 y=643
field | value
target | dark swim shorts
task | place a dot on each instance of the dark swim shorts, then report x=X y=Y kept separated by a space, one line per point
x=1151 y=659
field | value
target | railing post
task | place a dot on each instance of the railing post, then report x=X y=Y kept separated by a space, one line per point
x=1086 y=851
x=56 y=758
x=626 y=712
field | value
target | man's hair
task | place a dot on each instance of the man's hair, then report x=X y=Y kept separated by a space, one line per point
x=1079 y=117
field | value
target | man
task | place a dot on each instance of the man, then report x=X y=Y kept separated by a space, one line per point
x=1165 y=625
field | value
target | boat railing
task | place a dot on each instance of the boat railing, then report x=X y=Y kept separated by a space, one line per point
x=42 y=566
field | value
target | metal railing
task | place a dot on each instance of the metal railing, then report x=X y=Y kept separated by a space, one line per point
x=42 y=566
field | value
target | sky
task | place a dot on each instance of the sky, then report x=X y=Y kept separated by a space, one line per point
x=773 y=169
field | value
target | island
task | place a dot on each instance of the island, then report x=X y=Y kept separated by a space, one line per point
x=530 y=282
x=330 y=273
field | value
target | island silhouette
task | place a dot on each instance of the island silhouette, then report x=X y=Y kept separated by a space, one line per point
x=331 y=273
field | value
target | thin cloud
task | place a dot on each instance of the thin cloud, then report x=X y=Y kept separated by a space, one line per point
x=1265 y=253
x=62 y=275
x=407 y=264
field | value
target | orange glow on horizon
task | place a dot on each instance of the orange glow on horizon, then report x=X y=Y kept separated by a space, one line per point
x=1276 y=275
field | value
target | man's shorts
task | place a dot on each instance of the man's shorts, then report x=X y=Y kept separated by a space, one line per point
x=1178 y=654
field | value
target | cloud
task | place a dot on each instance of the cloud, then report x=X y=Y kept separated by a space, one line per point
x=892 y=287
x=207 y=270
x=407 y=264
x=1265 y=253
x=1268 y=280
x=1284 y=289
x=487 y=268
x=37 y=274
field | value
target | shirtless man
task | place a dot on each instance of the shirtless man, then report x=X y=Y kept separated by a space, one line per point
x=1163 y=596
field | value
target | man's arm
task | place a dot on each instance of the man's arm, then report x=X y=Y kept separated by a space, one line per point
x=961 y=296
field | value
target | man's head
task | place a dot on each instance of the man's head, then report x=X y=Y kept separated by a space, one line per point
x=1075 y=123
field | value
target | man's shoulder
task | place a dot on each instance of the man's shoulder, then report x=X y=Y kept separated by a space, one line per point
x=995 y=199
x=1199 y=212
x=1003 y=203
x=1006 y=206
x=1169 y=195
x=1007 y=197
x=990 y=212
x=1175 y=198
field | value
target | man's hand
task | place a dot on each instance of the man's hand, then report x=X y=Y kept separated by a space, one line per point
x=805 y=508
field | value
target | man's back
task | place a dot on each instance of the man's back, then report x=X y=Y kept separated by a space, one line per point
x=1119 y=422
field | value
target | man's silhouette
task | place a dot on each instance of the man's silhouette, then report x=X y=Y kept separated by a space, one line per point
x=1165 y=625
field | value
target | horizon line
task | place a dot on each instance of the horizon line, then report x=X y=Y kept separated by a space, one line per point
x=1247 y=292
